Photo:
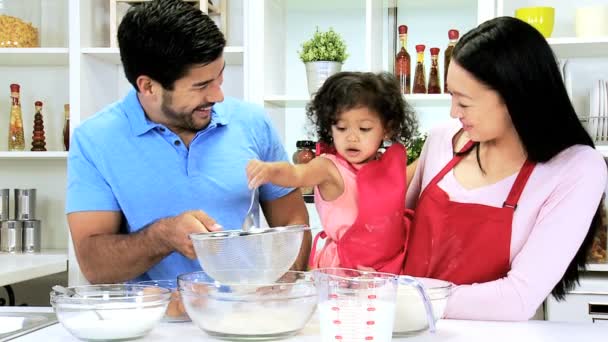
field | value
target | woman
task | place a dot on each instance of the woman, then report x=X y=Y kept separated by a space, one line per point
x=507 y=197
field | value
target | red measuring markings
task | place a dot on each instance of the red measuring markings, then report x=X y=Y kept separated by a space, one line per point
x=369 y=338
x=370 y=322
x=371 y=308
x=338 y=337
x=337 y=322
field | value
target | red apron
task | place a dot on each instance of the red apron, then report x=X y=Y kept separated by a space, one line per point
x=377 y=238
x=464 y=243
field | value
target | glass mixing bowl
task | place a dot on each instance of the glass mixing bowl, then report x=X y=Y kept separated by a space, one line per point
x=410 y=314
x=249 y=311
x=175 y=310
x=110 y=312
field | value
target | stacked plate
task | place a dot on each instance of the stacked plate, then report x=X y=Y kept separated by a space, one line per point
x=597 y=124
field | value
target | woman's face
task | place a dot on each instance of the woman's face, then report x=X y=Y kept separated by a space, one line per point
x=481 y=110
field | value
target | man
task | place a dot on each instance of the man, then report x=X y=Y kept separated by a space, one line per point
x=169 y=159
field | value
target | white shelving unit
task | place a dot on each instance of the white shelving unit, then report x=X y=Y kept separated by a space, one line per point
x=76 y=65
x=572 y=47
x=33 y=56
x=15 y=268
x=597 y=267
x=33 y=155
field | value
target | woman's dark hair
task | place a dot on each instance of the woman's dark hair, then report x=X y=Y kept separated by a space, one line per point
x=513 y=58
x=349 y=90
x=164 y=38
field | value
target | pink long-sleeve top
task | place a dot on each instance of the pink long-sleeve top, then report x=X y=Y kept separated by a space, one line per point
x=552 y=218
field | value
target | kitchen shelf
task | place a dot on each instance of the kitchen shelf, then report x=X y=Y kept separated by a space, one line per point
x=597 y=267
x=603 y=149
x=33 y=155
x=232 y=54
x=572 y=47
x=415 y=100
x=34 y=56
x=286 y=100
x=18 y=267
x=428 y=100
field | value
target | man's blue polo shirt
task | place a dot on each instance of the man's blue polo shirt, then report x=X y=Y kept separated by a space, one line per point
x=121 y=161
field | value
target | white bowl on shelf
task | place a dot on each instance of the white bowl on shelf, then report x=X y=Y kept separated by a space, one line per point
x=591 y=21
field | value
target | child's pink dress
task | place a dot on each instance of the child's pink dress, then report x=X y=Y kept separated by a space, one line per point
x=366 y=226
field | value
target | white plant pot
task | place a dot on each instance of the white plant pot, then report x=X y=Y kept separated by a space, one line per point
x=318 y=72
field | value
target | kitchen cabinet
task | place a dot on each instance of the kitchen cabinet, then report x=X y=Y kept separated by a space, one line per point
x=75 y=64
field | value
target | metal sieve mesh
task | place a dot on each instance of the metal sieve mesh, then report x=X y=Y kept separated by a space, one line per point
x=258 y=256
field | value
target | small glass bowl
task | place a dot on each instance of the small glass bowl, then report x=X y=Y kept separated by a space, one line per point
x=175 y=310
x=410 y=314
x=249 y=312
x=110 y=312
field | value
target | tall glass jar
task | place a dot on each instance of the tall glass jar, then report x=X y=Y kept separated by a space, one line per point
x=453 y=36
x=66 y=126
x=16 y=140
x=434 y=85
x=402 y=62
x=38 y=138
x=20 y=23
x=419 y=76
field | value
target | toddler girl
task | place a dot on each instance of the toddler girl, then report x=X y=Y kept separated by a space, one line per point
x=359 y=193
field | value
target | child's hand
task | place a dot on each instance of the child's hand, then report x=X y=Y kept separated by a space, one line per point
x=258 y=173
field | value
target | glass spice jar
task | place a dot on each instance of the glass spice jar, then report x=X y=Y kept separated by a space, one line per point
x=434 y=86
x=419 y=76
x=16 y=136
x=304 y=153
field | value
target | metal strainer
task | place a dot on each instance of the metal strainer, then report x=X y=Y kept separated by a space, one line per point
x=257 y=256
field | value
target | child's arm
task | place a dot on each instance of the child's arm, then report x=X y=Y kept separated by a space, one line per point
x=315 y=172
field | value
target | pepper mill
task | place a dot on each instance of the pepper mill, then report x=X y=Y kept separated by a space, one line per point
x=38 y=139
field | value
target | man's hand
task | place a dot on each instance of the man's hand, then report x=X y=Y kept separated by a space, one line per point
x=177 y=230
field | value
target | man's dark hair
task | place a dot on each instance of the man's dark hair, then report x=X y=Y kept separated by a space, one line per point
x=162 y=39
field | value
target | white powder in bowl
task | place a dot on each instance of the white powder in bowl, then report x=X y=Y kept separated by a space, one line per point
x=250 y=318
x=410 y=314
x=116 y=324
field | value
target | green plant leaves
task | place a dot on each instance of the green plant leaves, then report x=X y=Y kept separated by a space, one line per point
x=324 y=46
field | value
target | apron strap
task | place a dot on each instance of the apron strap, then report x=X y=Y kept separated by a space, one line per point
x=455 y=160
x=519 y=185
x=313 y=251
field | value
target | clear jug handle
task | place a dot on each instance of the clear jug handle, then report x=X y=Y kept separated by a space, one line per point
x=411 y=281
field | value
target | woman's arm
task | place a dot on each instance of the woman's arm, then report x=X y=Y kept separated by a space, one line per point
x=559 y=230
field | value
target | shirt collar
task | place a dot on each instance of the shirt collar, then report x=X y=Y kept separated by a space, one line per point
x=140 y=124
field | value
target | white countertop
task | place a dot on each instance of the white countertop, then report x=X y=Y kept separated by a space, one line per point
x=447 y=330
x=19 y=267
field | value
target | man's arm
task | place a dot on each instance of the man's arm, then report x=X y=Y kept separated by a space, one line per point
x=290 y=210
x=105 y=256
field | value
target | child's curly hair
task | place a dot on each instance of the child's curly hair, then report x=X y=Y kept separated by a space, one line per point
x=349 y=90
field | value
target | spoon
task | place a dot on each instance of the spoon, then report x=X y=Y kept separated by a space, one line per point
x=71 y=293
x=249 y=220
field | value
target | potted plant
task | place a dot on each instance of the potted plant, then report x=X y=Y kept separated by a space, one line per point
x=414 y=146
x=322 y=55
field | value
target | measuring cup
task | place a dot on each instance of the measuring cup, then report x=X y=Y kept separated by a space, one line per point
x=358 y=305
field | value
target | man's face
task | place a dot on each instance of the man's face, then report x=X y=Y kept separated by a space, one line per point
x=188 y=105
